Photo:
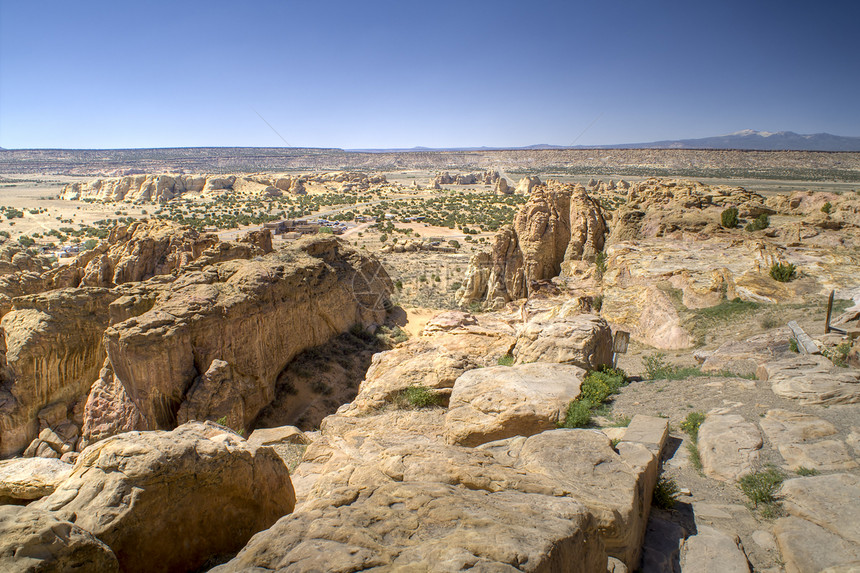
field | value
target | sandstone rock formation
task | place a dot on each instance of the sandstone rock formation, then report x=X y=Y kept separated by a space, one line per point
x=174 y=498
x=165 y=356
x=54 y=342
x=160 y=188
x=502 y=187
x=558 y=493
x=487 y=178
x=559 y=225
x=36 y=540
x=526 y=184
x=495 y=403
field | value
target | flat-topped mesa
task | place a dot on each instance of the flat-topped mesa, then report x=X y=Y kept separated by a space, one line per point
x=488 y=177
x=559 y=225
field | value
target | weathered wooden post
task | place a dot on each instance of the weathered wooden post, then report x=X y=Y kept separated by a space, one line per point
x=619 y=345
x=829 y=310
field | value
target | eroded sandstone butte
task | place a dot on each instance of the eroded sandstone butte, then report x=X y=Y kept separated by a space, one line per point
x=174 y=303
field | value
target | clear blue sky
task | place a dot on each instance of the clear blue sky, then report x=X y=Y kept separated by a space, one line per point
x=353 y=74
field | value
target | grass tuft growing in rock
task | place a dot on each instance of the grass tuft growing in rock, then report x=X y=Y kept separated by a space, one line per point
x=691 y=425
x=506 y=360
x=805 y=472
x=417 y=396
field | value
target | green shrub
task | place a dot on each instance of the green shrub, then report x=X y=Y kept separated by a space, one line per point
x=506 y=360
x=792 y=345
x=597 y=303
x=26 y=241
x=782 y=272
x=600 y=264
x=760 y=222
x=598 y=386
x=621 y=422
x=762 y=486
x=664 y=494
x=827 y=208
x=691 y=425
x=838 y=355
x=729 y=218
x=578 y=414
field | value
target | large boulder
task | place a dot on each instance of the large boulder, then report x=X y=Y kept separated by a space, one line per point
x=174 y=498
x=583 y=340
x=449 y=347
x=26 y=479
x=489 y=404
x=36 y=540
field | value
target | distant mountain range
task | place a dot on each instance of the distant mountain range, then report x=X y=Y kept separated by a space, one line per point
x=760 y=140
x=745 y=139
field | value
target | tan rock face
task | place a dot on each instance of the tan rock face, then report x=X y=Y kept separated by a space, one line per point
x=321 y=288
x=435 y=360
x=36 y=540
x=174 y=498
x=812 y=379
x=54 y=341
x=822 y=530
x=560 y=223
x=53 y=354
x=729 y=446
x=500 y=402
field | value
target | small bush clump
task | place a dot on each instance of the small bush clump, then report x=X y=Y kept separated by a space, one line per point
x=506 y=360
x=783 y=272
x=664 y=493
x=596 y=388
x=838 y=355
x=600 y=264
x=760 y=222
x=729 y=218
x=827 y=208
x=578 y=414
x=762 y=486
x=418 y=396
